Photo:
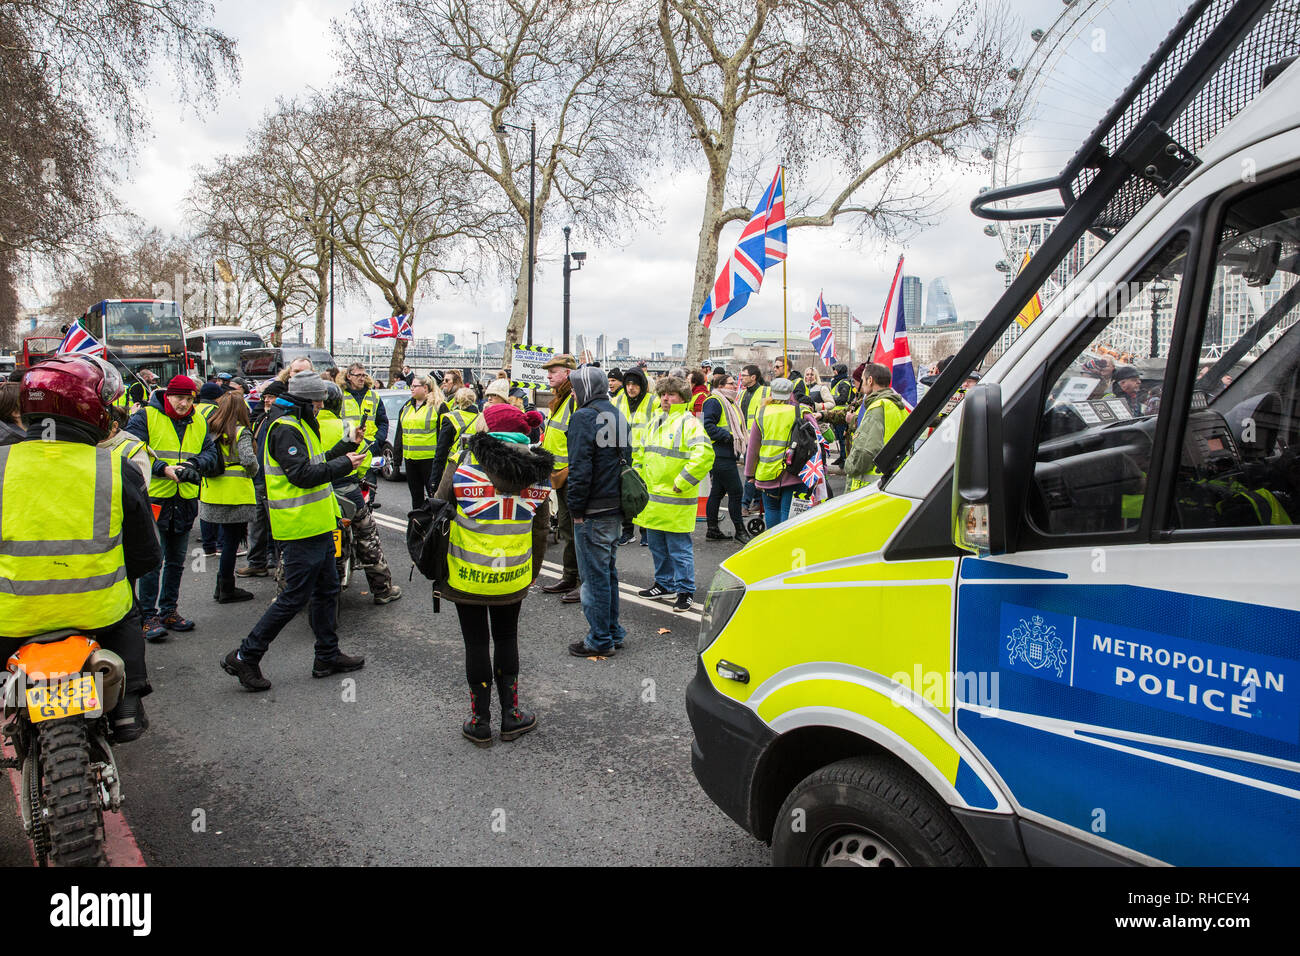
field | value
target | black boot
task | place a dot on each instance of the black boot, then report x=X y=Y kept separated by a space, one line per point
x=478 y=729
x=714 y=533
x=227 y=593
x=515 y=722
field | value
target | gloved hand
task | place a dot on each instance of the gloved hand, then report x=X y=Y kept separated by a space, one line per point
x=186 y=473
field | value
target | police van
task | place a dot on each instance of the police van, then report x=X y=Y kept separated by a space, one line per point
x=1066 y=619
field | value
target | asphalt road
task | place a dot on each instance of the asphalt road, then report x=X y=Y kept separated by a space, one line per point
x=376 y=771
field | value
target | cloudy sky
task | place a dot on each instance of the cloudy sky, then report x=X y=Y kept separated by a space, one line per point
x=639 y=289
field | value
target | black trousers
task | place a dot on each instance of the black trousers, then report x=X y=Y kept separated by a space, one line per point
x=419 y=477
x=310 y=578
x=125 y=639
x=480 y=625
x=725 y=481
x=564 y=525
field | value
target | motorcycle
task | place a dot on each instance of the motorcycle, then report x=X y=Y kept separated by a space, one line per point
x=59 y=689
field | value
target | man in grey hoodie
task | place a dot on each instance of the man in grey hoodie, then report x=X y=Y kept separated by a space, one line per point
x=599 y=445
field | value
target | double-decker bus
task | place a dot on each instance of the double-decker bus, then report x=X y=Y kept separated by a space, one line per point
x=217 y=348
x=140 y=334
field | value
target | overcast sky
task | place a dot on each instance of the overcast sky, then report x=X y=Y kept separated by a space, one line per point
x=640 y=289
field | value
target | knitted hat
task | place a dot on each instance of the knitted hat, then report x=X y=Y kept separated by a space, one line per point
x=210 y=392
x=274 y=388
x=615 y=374
x=498 y=387
x=183 y=385
x=782 y=389
x=506 y=418
x=308 y=385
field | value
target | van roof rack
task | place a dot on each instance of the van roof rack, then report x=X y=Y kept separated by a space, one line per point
x=1210 y=66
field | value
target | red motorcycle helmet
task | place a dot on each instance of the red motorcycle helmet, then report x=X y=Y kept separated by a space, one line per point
x=77 y=388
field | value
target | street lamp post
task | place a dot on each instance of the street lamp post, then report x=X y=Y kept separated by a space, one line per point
x=478 y=341
x=532 y=194
x=331 y=283
x=1158 y=292
x=579 y=258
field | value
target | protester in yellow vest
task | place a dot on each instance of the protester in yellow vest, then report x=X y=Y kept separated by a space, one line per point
x=229 y=502
x=883 y=413
x=674 y=459
x=416 y=444
x=555 y=440
x=304 y=516
x=456 y=421
x=183 y=454
x=765 y=453
x=69 y=560
x=497 y=545
x=361 y=406
x=637 y=404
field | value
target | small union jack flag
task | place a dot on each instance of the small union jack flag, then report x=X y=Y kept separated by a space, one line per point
x=479 y=499
x=394 y=327
x=762 y=245
x=820 y=334
x=79 y=342
x=814 y=472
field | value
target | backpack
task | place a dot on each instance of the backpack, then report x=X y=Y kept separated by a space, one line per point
x=428 y=536
x=805 y=440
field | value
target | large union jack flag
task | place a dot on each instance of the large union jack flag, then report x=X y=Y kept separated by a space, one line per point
x=820 y=334
x=761 y=246
x=394 y=327
x=479 y=499
x=891 y=344
x=79 y=342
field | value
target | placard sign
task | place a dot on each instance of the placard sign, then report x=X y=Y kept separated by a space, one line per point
x=526 y=363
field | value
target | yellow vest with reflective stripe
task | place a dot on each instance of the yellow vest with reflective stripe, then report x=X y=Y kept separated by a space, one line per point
x=556 y=437
x=170 y=450
x=757 y=401
x=353 y=413
x=61 y=558
x=775 y=422
x=331 y=429
x=676 y=456
x=490 y=549
x=234 y=487
x=206 y=409
x=893 y=418
x=461 y=419
x=420 y=430
x=297 y=512
x=638 y=420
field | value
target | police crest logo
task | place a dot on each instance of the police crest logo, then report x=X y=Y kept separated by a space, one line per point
x=1037 y=645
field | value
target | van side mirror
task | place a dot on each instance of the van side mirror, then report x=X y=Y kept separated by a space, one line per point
x=979 y=518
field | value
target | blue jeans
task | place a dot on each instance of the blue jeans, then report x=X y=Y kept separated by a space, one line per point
x=175 y=548
x=310 y=578
x=776 y=504
x=674 y=557
x=751 y=494
x=597 y=543
x=209 y=534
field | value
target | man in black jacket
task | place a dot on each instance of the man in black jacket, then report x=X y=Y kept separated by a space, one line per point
x=262 y=551
x=599 y=445
x=725 y=476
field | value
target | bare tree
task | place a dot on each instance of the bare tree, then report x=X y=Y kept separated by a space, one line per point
x=406 y=212
x=456 y=70
x=71 y=75
x=873 y=99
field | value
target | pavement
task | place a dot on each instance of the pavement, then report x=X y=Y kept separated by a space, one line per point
x=371 y=768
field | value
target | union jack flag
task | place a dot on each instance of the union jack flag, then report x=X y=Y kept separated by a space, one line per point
x=479 y=499
x=394 y=327
x=79 y=342
x=891 y=345
x=820 y=334
x=761 y=246
x=814 y=472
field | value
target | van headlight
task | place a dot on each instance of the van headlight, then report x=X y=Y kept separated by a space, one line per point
x=725 y=592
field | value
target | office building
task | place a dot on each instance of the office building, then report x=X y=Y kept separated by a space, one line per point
x=939 y=306
x=911 y=293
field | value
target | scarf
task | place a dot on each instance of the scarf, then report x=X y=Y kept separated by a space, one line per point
x=735 y=420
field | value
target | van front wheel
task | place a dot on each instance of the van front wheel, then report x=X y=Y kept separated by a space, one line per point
x=866 y=811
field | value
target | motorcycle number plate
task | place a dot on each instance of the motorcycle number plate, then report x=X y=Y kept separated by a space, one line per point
x=50 y=700
x=338 y=543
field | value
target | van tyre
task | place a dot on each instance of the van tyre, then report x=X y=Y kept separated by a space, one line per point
x=75 y=820
x=867 y=811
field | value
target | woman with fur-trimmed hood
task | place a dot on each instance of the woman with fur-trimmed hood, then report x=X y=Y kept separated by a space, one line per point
x=500 y=487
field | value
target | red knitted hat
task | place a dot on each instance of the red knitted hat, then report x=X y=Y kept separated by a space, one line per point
x=504 y=417
x=181 y=385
